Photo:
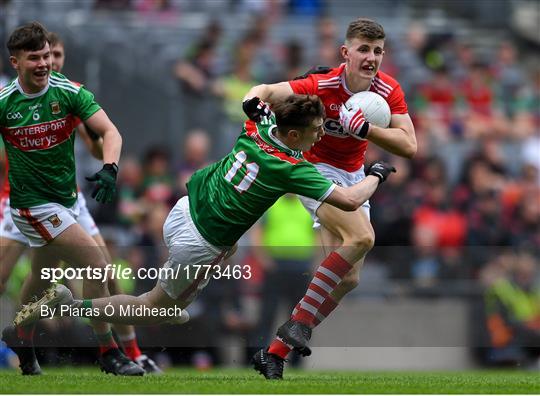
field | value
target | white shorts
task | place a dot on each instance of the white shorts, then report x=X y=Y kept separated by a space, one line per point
x=187 y=248
x=7 y=227
x=339 y=177
x=85 y=219
x=10 y=231
x=42 y=223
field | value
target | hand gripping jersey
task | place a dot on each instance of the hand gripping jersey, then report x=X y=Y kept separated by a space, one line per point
x=336 y=147
x=38 y=134
x=227 y=197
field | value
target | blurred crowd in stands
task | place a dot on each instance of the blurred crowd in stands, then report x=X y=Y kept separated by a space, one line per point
x=462 y=218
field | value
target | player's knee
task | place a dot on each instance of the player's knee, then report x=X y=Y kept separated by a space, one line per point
x=363 y=242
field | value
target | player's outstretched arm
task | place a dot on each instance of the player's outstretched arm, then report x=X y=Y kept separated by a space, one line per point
x=270 y=92
x=351 y=198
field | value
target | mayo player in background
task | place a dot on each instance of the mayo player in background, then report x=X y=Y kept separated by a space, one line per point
x=14 y=243
x=38 y=114
x=339 y=156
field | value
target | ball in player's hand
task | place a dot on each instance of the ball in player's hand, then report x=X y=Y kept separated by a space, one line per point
x=374 y=107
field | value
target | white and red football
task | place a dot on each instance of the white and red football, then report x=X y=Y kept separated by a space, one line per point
x=373 y=105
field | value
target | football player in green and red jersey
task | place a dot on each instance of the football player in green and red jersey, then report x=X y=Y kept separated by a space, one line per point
x=38 y=115
x=224 y=200
x=14 y=243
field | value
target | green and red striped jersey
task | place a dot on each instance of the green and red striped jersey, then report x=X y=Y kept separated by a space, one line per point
x=227 y=197
x=37 y=130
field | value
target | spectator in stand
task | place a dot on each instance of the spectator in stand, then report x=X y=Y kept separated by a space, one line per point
x=409 y=57
x=436 y=105
x=150 y=244
x=211 y=34
x=391 y=218
x=196 y=74
x=461 y=64
x=129 y=187
x=439 y=93
x=483 y=116
x=390 y=66
x=479 y=178
x=327 y=53
x=527 y=122
x=158 y=182
x=268 y=53
x=529 y=97
x=491 y=149
x=438 y=229
x=476 y=89
x=509 y=76
x=525 y=223
x=231 y=88
x=516 y=189
x=485 y=221
x=294 y=60
x=434 y=171
x=512 y=308
x=196 y=148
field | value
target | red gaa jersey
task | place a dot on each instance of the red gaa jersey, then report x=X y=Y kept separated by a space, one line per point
x=336 y=147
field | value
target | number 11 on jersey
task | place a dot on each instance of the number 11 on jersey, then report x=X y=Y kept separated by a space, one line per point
x=252 y=169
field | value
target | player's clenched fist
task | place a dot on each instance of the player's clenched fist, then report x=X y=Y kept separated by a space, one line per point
x=353 y=122
x=380 y=169
x=255 y=109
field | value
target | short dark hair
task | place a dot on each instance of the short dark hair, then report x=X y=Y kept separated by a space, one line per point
x=365 y=28
x=55 y=39
x=297 y=111
x=30 y=37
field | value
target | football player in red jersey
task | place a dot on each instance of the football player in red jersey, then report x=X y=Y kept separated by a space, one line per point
x=340 y=157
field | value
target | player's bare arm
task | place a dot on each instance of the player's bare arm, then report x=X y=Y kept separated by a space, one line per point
x=398 y=139
x=351 y=198
x=112 y=141
x=270 y=92
x=94 y=146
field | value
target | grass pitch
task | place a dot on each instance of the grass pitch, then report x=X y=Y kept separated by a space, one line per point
x=242 y=381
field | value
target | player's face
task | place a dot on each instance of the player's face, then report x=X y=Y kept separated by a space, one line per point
x=311 y=135
x=58 y=57
x=363 y=56
x=33 y=68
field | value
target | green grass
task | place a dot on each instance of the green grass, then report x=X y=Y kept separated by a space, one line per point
x=90 y=380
